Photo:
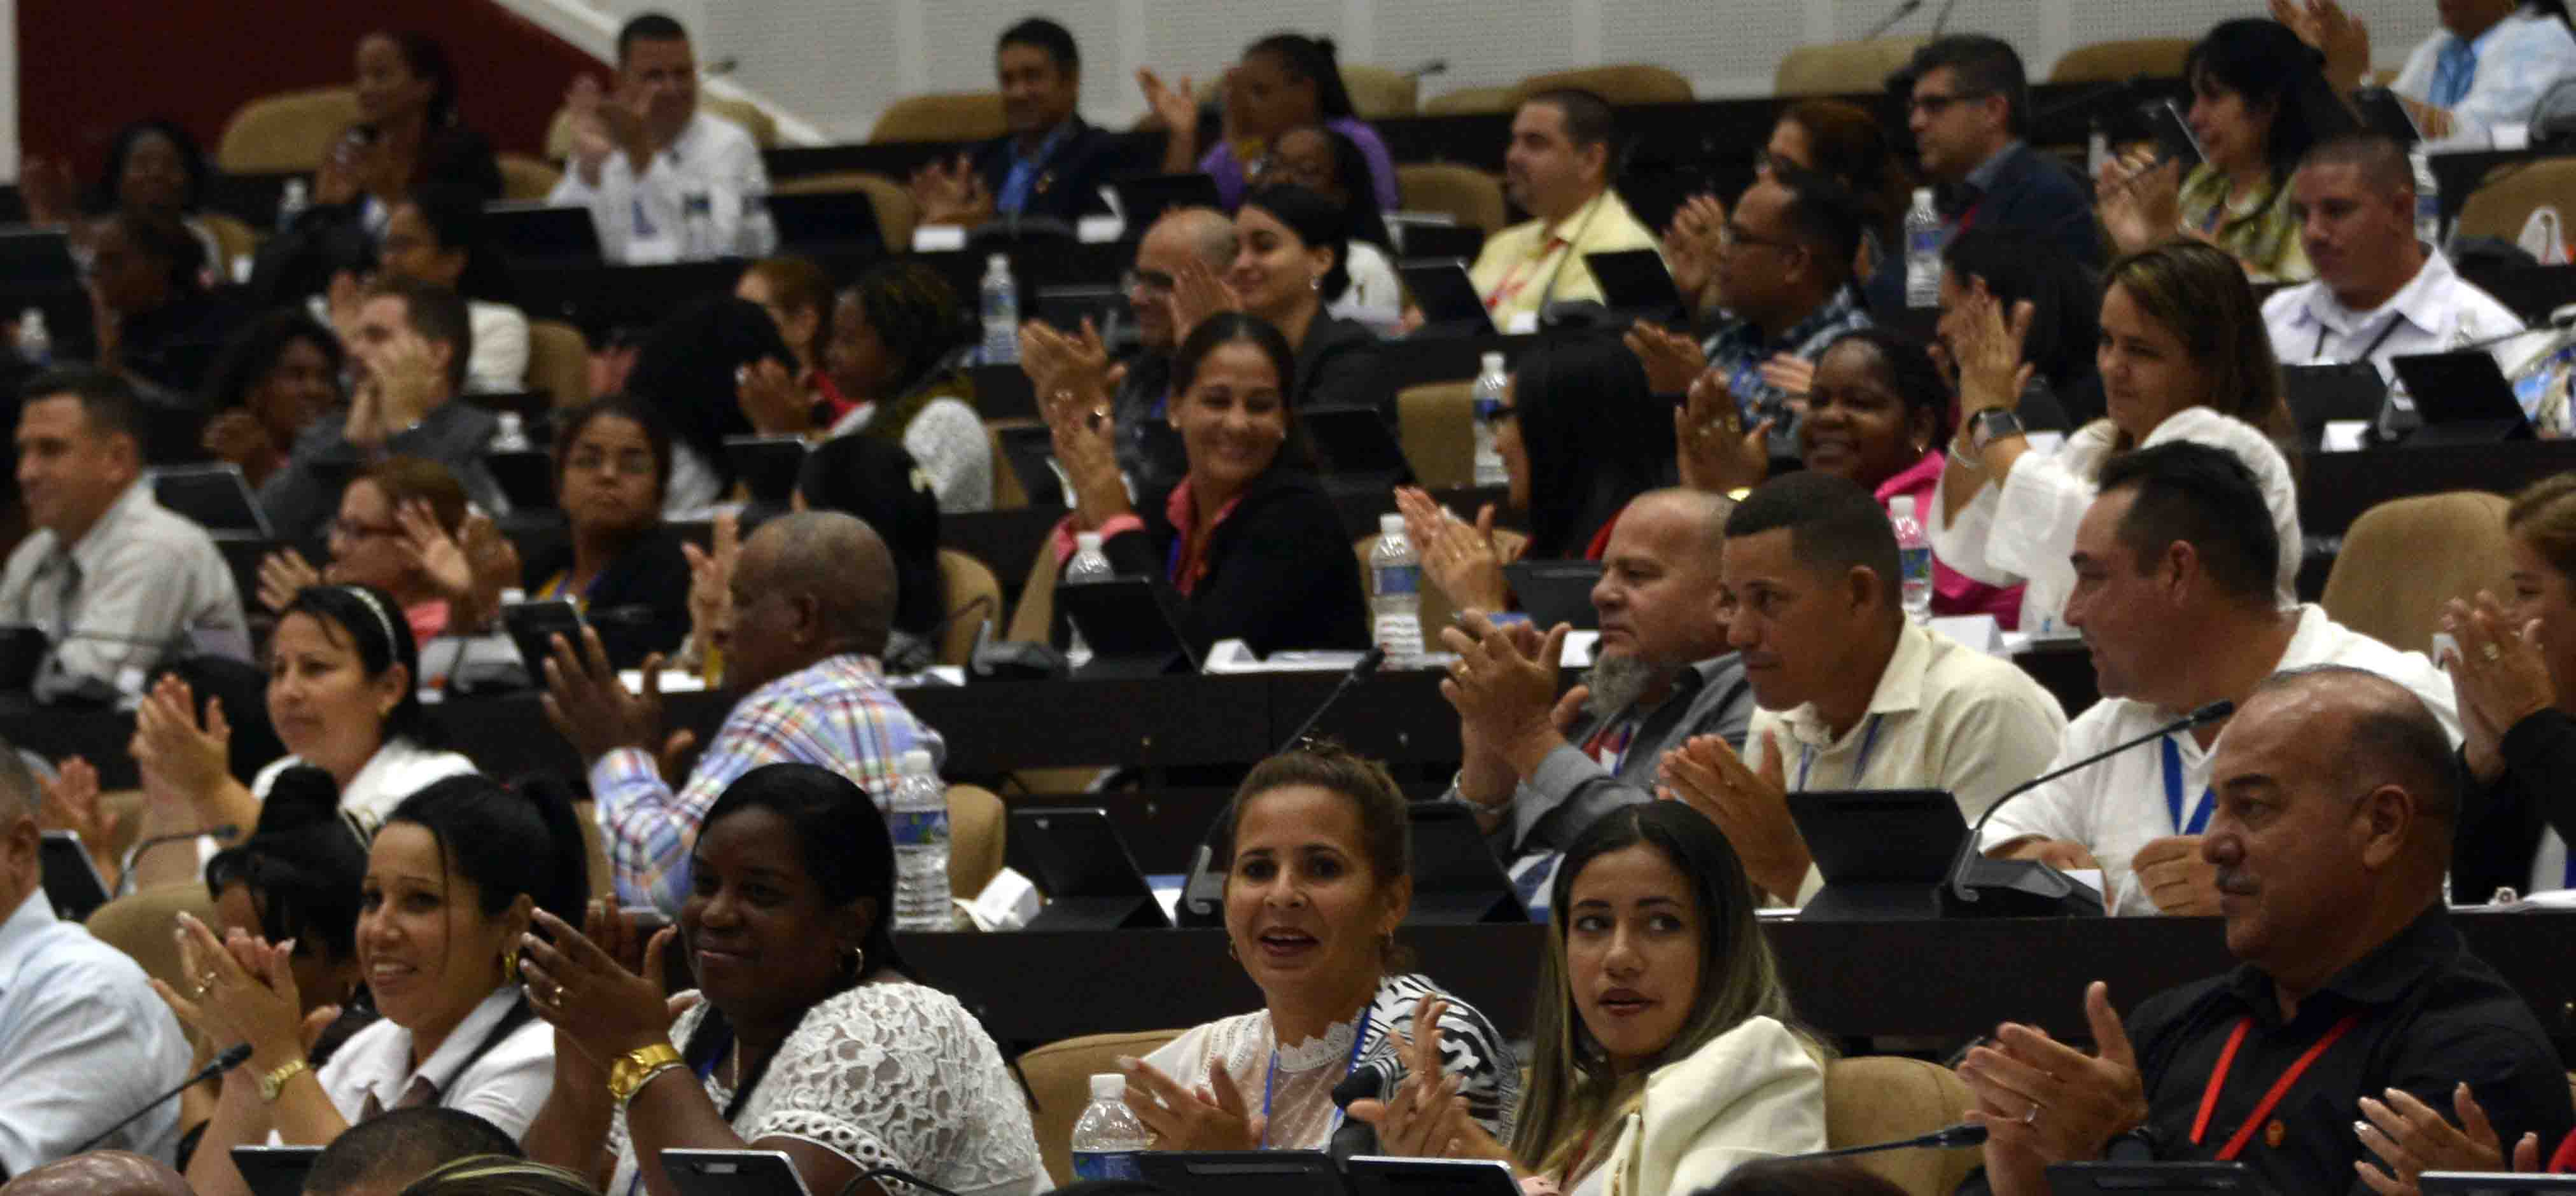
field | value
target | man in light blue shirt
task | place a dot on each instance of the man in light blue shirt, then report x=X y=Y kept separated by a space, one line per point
x=83 y=1040
x=2487 y=66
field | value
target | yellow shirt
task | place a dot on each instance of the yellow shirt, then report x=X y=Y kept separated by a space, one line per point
x=1526 y=267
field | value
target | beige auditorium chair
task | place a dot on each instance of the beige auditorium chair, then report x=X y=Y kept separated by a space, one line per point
x=1059 y=1078
x=966 y=579
x=1843 y=68
x=287 y=131
x=1378 y=92
x=558 y=362
x=2406 y=557
x=1885 y=1098
x=2511 y=193
x=1469 y=101
x=1617 y=83
x=525 y=179
x=977 y=824
x=896 y=213
x=1436 y=424
x=942 y=116
x=1471 y=196
x=139 y=924
x=2106 y=62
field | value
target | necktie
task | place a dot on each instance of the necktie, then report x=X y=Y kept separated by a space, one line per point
x=420 y=1095
x=2452 y=74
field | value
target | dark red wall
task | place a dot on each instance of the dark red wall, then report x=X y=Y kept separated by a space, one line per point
x=85 y=67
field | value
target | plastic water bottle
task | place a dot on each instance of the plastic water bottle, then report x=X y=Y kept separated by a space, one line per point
x=1490 y=383
x=292 y=202
x=35 y=345
x=1913 y=559
x=510 y=435
x=1395 y=591
x=1089 y=564
x=2428 y=199
x=698 y=228
x=1922 y=252
x=1108 y=1138
x=917 y=818
x=1001 y=312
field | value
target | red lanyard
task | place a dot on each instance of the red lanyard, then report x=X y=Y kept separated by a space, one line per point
x=1519 y=276
x=2280 y=1087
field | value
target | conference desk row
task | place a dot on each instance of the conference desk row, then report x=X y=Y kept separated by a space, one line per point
x=1946 y=980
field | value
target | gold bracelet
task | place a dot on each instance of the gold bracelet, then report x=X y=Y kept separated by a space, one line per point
x=272 y=1084
x=630 y=1071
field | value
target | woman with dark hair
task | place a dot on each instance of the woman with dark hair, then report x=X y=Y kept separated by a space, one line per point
x=896 y=354
x=2183 y=356
x=1317 y=852
x=387 y=535
x=1877 y=413
x=1589 y=437
x=457 y=882
x=2259 y=102
x=341 y=695
x=1291 y=261
x=619 y=563
x=278 y=376
x=435 y=235
x=798 y=294
x=1247 y=539
x=808 y=1040
x=2064 y=391
x=707 y=349
x=149 y=306
x=1284 y=81
x=1331 y=165
x=875 y=480
x=1667 y=1054
x=153 y=168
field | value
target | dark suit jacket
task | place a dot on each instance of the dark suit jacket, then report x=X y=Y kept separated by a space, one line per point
x=2035 y=196
x=1068 y=188
x=2499 y=827
x=1337 y=366
x=639 y=603
x=1281 y=572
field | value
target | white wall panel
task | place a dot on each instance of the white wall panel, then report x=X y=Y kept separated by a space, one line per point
x=1487 y=43
x=1726 y=47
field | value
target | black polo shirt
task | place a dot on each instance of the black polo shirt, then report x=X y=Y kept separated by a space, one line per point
x=2427 y=1015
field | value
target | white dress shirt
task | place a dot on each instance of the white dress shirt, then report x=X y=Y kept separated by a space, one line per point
x=2434 y=311
x=506 y=1086
x=399 y=769
x=1944 y=716
x=1374 y=297
x=83 y=1042
x=143 y=581
x=2120 y=805
x=499 y=362
x=645 y=220
x=2517 y=59
x=2022 y=531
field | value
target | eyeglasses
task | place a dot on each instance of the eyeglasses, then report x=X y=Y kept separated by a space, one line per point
x=1494 y=412
x=1731 y=234
x=1936 y=104
x=351 y=529
x=1153 y=282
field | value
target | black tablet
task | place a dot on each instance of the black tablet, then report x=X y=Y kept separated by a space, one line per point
x=1553 y=592
x=1635 y=282
x=2174 y=139
x=2477 y=1183
x=1883 y=852
x=1447 y=297
x=1130 y=630
x=1456 y=879
x=526 y=477
x=274 y=1170
x=533 y=626
x=2462 y=398
x=2151 y=1179
x=2383 y=113
x=1378 y=1175
x=530 y=231
x=71 y=880
x=1142 y=200
x=767 y=466
x=826 y=220
x=1243 y=1173
x=214 y=497
x=2331 y=392
x=733 y=1173
x=1078 y=860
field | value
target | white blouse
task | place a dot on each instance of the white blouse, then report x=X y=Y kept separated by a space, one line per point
x=884 y=1075
x=506 y=1086
x=399 y=769
x=948 y=442
x=1375 y=296
x=2020 y=529
x=1752 y=1093
x=498 y=362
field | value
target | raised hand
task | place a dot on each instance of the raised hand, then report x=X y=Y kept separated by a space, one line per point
x=1084 y=434
x=1987 y=349
x=1715 y=452
x=494 y=563
x=1213 y=1117
x=282 y=575
x=951 y=193
x=1458 y=558
x=432 y=551
x=606 y=998
x=1672 y=359
x=243 y=990
x=1198 y=293
x=589 y=705
x=771 y=399
x=71 y=802
x=2411 y=1138
x=2344 y=39
x=2139 y=200
x=711 y=580
x=2175 y=877
x=237 y=437
x=2499 y=674
x=1425 y=1117
x=51 y=194
x=1691 y=245
x=1751 y=806
x=1074 y=364
x=181 y=759
x=2044 y=1102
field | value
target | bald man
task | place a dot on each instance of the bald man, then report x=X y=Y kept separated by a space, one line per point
x=100 y=1173
x=812 y=603
x=2337 y=794
x=1538 y=768
x=1149 y=450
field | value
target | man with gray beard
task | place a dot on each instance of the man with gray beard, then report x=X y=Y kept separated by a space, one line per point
x=1539 y=768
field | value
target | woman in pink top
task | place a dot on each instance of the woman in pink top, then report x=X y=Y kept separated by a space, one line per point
x=1876 y=413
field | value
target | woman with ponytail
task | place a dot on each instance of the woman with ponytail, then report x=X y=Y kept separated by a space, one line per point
x=1285 y=81
x=807 y=1037
x=456 y=881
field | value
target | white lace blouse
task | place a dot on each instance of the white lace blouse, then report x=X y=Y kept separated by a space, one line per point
x=884 y=1075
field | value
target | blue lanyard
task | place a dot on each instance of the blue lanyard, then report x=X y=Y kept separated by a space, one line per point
x=1270 y=1079
x=1860 y=767
x=2173 y=794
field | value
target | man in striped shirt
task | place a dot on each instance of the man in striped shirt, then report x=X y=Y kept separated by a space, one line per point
x=812 y=599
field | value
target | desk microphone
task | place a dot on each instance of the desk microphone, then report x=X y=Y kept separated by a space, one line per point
x=230 y=1059
x=1973 y=877
x=1203 y=896
x=1945 y=1138
x=1354 y=1138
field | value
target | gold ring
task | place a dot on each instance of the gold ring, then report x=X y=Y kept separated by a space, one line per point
x=2493 y=653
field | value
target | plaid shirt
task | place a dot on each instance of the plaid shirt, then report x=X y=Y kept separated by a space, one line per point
x=837 y=714
x=1738 y=350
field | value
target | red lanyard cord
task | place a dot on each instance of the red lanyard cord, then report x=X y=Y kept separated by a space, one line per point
x=2280 y=1087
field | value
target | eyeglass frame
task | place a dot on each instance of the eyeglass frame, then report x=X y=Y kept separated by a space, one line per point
x=1934 y=105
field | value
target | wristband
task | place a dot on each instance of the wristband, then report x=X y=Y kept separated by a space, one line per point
x=271 y=1084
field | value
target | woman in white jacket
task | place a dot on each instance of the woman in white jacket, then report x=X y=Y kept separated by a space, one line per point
x=1665 y=1051
x=2183 y=356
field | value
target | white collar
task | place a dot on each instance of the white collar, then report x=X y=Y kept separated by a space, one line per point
x=448 y=1061
x=2425 y=301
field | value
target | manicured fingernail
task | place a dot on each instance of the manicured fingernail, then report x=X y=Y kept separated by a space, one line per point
x=2361 y=1128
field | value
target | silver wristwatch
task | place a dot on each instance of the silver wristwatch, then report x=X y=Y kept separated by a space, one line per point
x=1987 y=427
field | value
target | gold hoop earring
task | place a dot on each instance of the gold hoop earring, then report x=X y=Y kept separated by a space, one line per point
x=509 y=966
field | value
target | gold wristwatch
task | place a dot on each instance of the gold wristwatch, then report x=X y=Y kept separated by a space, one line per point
x=631 y=1070
x=274 y=1082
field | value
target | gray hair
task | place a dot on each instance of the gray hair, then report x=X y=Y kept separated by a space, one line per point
x=1208 y=232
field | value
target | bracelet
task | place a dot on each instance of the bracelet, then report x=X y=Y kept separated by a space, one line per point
x=644 y=1079
x=272 y=1084
x=629 y=1072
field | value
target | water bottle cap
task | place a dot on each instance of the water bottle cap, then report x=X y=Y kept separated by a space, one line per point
x=1493 y=363
x=1923 y=197
x=1108 y=1085
x=1901 y=506
x=918 y=761
x=1086 y=541
x=997 y=261
x=33 y=317
x=1390 y=524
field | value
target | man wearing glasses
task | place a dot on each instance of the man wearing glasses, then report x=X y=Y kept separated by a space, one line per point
x=1968 y=105
x=1149 y=450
